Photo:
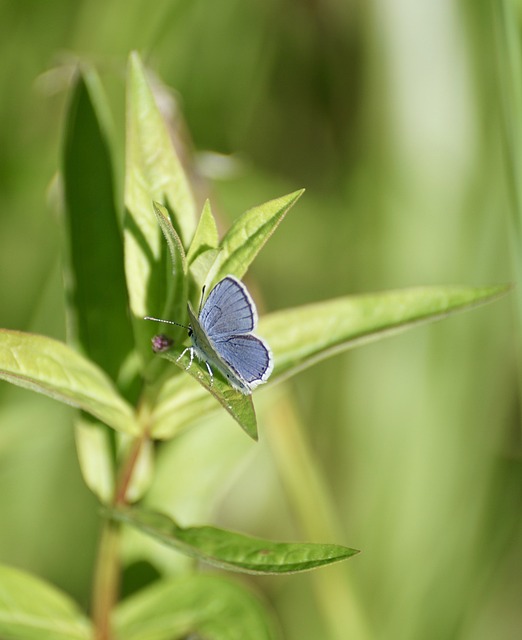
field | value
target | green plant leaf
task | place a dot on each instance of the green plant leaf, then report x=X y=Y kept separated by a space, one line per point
x=54 y=369
x=240 y=406
x=247 y=236
x=97 y=313
x=234 y=551
x=206 y=235
x=31 y=609
x=153 y=172
x=302 y=336
x=177 y=286
x=95 y=455
x=213 y=607
x=203 y=249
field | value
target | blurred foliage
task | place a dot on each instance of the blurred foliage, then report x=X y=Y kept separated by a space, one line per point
x=389 y=114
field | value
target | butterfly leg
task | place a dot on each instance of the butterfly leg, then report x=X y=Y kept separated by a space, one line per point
x=210 y=373
x=191 y=351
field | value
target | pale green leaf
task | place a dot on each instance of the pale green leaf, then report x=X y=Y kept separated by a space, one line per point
x=54 y=369
x=247 y=236
x=240 y=406
x=95 y=455
x=302 y=336
x=176 y=291
x=153 y=172
x=206 y=235
x=234 y=551
x=213 y=607
x=31 y=609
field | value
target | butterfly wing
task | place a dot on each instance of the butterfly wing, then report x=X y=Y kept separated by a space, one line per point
x=228 y=310
x=247 y=356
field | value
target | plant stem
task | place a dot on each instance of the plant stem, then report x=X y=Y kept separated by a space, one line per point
x=107 y=572
x=106 y=581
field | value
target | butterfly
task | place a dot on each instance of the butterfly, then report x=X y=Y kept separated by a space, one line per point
x=221 y=336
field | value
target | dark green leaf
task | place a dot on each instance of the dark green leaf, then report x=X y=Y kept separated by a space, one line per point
x=234 y=551
x=97 y=312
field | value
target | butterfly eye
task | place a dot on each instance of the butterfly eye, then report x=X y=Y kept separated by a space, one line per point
x=190 y=332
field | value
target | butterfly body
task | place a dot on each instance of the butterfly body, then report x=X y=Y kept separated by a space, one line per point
x=222 y=336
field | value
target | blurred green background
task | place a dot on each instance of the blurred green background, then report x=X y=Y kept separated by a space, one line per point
x=389 y=114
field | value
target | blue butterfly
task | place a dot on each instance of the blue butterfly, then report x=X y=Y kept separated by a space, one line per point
x=222 y=336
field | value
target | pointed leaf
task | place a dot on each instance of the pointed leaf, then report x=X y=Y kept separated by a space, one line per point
x=213 y=607
x=240 y=406
x=31 y=609
x=175 y=304
x=54 y=369
x=206 y=235
x=247 y=236
x=302 y=336
x=234 y=551
x=97 y=312
x=153 y=172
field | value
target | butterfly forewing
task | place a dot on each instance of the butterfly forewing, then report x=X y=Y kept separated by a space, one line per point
x=228 y=310
x=248 y=356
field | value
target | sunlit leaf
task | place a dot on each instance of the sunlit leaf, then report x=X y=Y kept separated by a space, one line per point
x=302 y=336
x=213 y=607
x=54 y=369
x=98 y=316
x=153 y=172
x=239 y=406
x=206 y=235
x=175 y=304
x=95 y=456
x=31 y=609
x=234 y=551
x=248 y=234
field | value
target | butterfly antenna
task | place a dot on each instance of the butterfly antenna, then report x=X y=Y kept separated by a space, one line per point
x=201 y=299
x=178 y=324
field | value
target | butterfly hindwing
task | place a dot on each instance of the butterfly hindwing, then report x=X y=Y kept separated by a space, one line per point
x=228 y=310
x=248 y=356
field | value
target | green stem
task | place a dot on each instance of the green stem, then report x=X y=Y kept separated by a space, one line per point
x=107 y=572
x=106 y=580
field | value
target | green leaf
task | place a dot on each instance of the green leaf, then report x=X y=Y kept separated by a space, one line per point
x=97 y=313
x=153 y=172
x=50 y=367
x=31 y=609
x=94 y=447
x=203 y=248
x=234 y=551
x=176 y=292
x=247 y=236
x=300 y=337
x=240 y=406
x=305 y=335
x=206 y=235
x=213 y=607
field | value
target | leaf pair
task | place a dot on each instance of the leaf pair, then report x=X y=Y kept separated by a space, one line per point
x=213 y=606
